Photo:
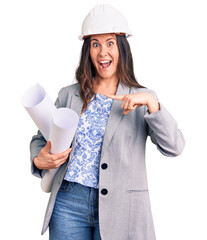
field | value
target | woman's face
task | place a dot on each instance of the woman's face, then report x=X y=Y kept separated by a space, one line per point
x=104 y=54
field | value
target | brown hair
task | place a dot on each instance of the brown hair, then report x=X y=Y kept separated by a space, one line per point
x=86 y=71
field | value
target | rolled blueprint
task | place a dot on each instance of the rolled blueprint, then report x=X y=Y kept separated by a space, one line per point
x=56 y=125
x=40 y=108
x=63 y=128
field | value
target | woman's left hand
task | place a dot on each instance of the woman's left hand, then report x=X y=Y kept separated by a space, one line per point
x=134 y=100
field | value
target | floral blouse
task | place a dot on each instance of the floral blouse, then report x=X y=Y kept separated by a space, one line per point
x=84 y=165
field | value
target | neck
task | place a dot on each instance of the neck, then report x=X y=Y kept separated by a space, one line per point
x=105 y=85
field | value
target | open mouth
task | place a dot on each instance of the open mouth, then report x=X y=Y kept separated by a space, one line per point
x=104 y=64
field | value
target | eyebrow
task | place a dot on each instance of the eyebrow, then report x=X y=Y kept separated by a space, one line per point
x=94 y=39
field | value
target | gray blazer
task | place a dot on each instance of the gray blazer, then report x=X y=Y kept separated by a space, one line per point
x=124 y=212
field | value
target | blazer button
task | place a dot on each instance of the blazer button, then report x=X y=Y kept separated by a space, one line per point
x=104 y=191
x=104 y=166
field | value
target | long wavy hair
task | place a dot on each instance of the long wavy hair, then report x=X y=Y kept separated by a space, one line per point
x=85 y=72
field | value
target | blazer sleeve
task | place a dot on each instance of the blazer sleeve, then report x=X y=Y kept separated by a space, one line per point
x=36 y=144
x=163 y=131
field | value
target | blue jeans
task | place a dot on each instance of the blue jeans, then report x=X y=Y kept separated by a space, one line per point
x=75 y=214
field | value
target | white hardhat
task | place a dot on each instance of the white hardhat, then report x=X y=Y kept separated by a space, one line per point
x=104 y=19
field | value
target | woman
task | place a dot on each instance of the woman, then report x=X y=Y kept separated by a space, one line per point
x=100 y=191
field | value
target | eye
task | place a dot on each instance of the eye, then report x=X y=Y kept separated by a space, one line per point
x=110 y=44
x=95 y=45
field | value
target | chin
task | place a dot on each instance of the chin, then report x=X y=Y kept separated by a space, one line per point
x=109 y=75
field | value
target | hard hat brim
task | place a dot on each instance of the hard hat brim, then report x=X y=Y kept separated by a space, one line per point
x=82 y=37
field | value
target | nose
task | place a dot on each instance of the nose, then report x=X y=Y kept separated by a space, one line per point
x=103 y=51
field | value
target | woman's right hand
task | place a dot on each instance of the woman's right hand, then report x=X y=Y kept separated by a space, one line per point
x=46 y=160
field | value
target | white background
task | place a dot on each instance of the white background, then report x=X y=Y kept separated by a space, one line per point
x=39 y=43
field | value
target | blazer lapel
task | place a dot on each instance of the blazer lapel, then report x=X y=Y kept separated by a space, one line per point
x=115 y=116
x=75 y=103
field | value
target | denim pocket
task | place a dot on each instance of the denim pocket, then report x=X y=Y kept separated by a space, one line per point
x=65 y=186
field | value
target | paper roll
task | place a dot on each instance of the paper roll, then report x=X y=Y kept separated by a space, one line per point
x=63 y=128
x=40 y=108
x=56 y=125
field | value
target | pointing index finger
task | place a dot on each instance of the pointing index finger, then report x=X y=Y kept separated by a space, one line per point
x=116 y=97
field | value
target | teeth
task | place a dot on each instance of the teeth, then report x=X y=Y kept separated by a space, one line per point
x=104 y=61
